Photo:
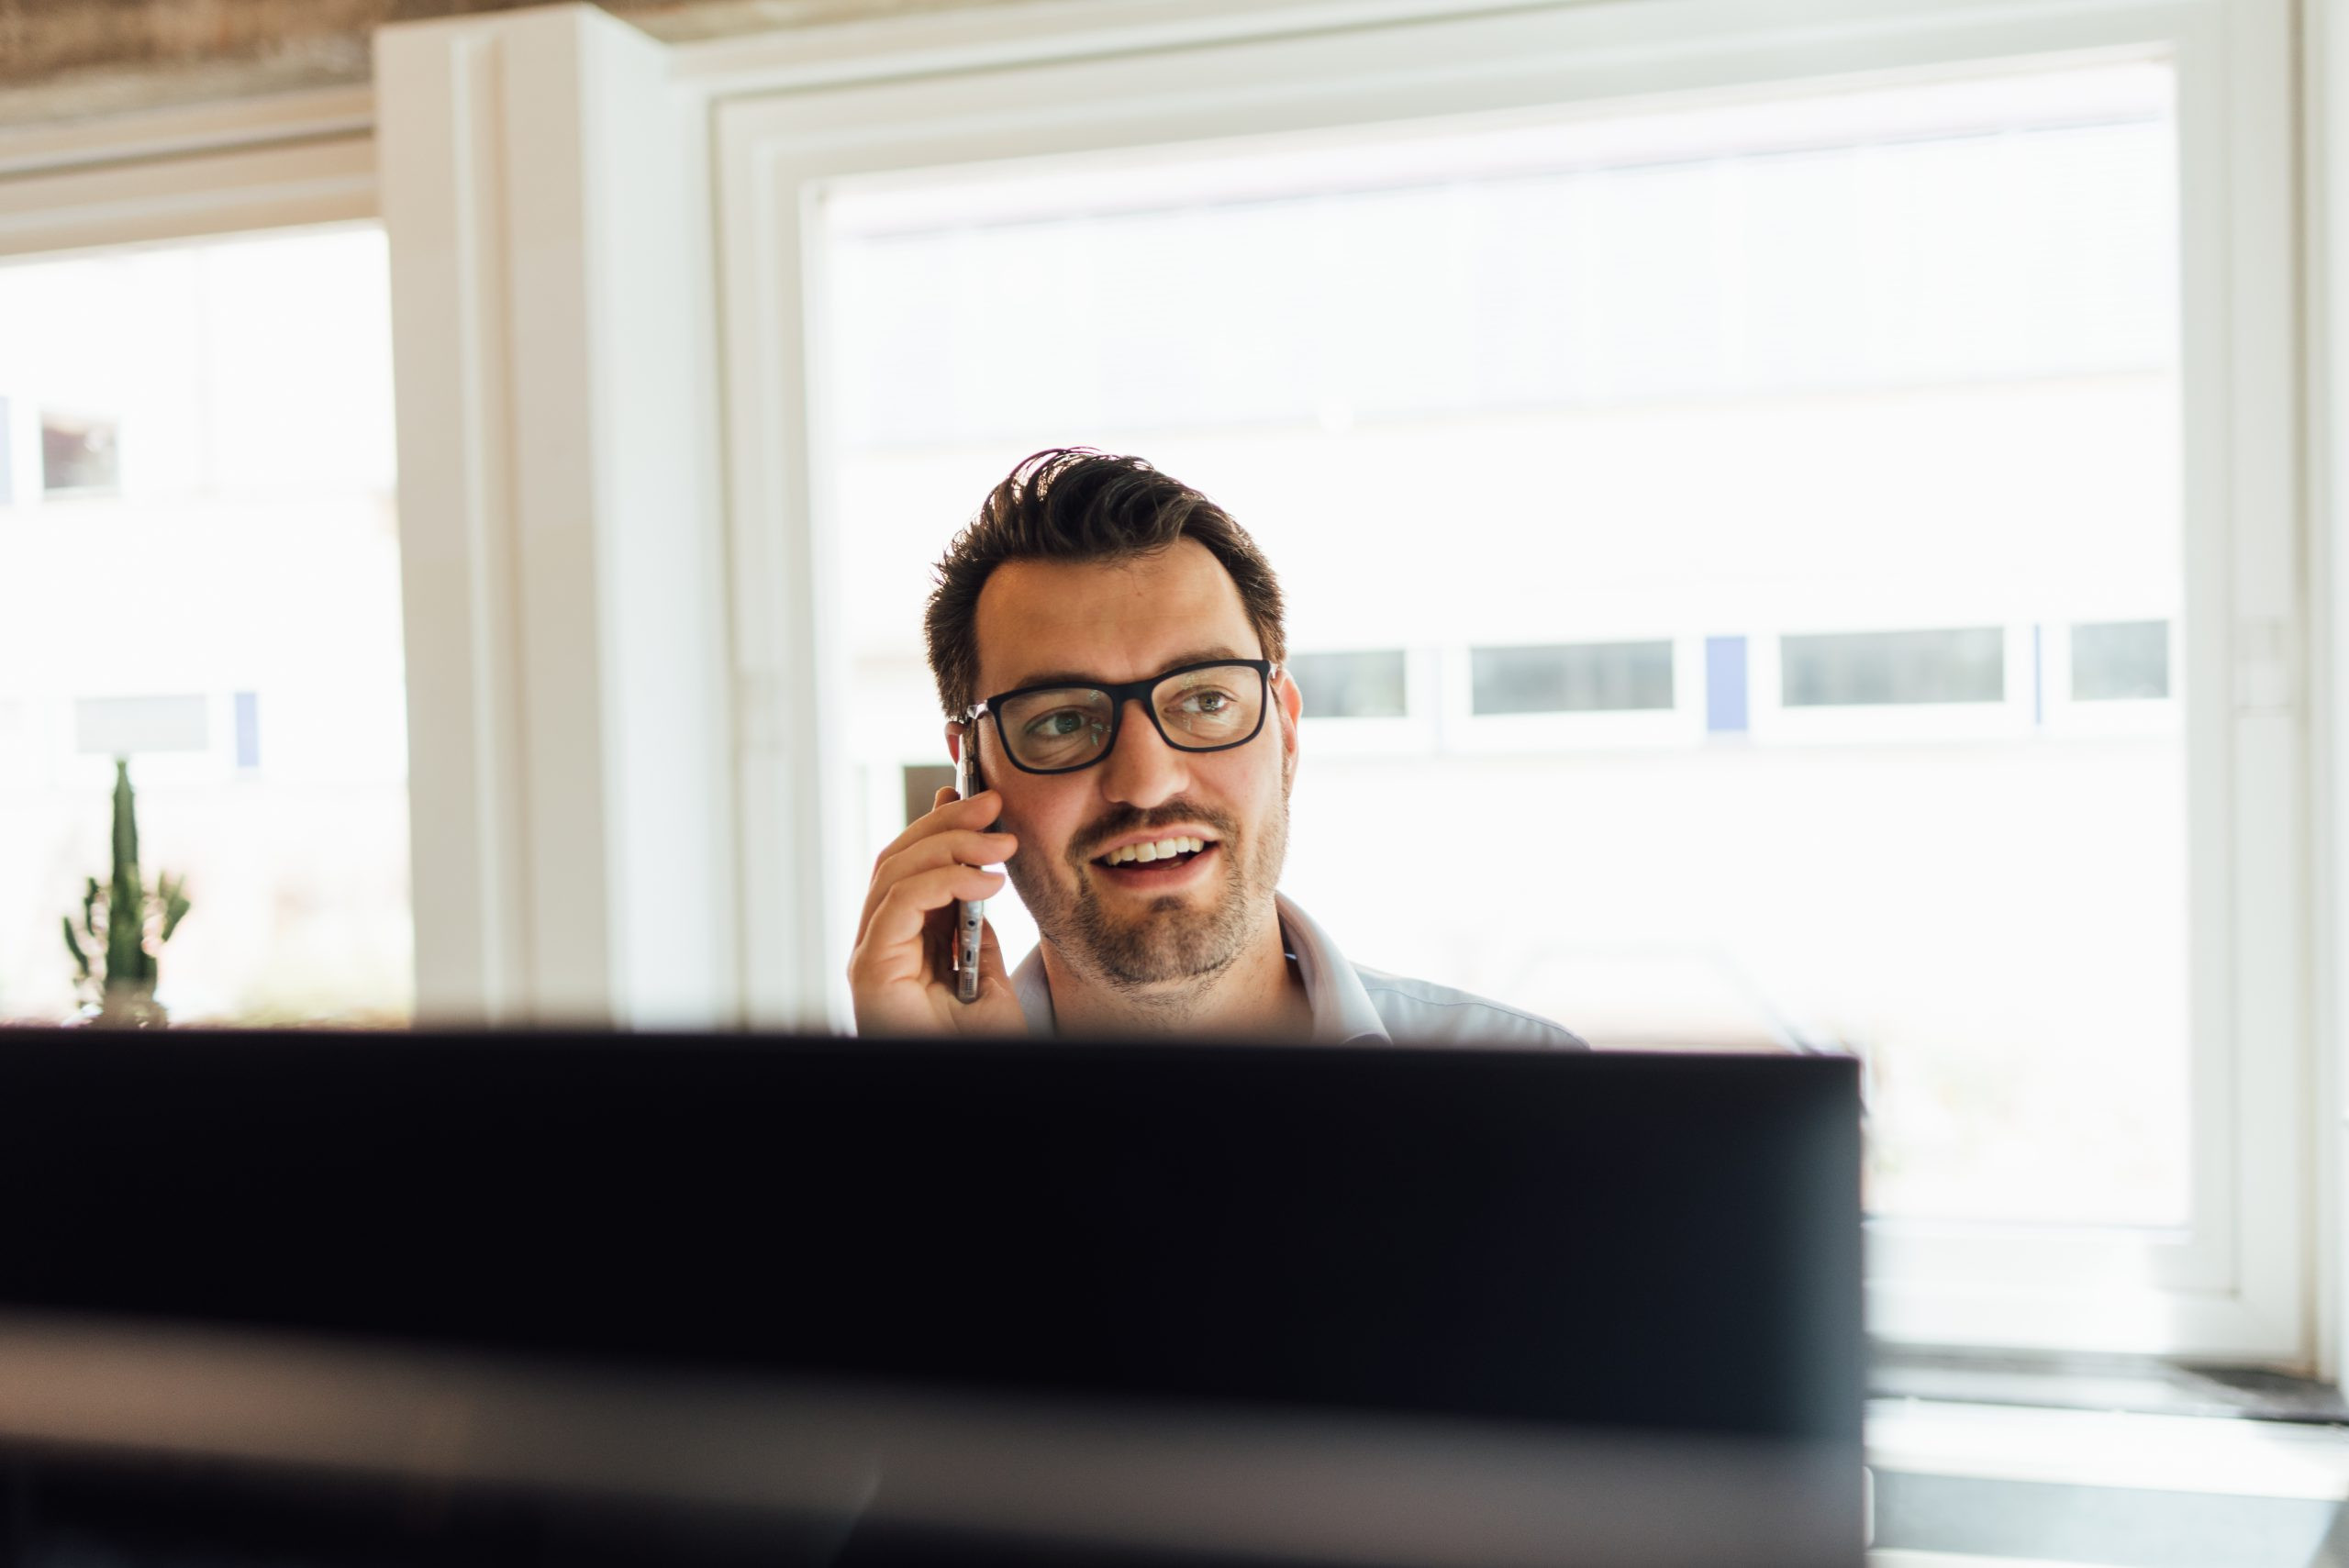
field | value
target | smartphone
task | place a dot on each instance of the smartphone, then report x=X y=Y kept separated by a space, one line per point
x=969 y=919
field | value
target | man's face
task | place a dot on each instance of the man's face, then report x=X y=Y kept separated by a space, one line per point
x=1139 y=927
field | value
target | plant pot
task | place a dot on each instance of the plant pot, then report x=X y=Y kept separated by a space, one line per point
x=128 y=1007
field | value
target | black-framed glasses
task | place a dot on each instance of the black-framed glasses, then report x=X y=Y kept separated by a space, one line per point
x=1199 y=708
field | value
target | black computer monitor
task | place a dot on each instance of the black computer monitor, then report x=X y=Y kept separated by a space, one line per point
x=873 y=1301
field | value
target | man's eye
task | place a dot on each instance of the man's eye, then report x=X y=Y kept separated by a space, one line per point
x=1206 y=702
x=1058 y=725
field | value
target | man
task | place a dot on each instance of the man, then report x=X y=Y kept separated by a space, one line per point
x=1108 y=641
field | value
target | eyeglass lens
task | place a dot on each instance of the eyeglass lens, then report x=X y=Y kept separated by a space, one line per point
x=1197 y=710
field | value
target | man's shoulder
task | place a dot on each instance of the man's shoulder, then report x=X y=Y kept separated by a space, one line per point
x=1421 y=1012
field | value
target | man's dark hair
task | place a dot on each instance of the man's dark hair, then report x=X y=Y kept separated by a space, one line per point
x=1075 y=503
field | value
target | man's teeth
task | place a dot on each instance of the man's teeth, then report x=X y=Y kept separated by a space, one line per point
x=1163 y=849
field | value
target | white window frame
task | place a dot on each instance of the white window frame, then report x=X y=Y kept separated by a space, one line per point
x=1035 y=81
x=287 y=160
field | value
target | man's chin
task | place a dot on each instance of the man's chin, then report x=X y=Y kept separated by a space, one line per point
x=1161 y=947
x=1150 y=942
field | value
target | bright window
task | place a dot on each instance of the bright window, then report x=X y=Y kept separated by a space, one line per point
x=1586 y=410
x=1609 y=326
x=205 y=578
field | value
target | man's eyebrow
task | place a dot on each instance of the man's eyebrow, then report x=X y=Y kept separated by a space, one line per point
x=1084 y=678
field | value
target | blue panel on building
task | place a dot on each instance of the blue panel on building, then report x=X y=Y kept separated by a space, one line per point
x=2038 y=675
x=247 y=729
x=1725 y=695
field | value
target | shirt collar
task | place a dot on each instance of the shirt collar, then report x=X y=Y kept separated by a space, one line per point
x=1035 y=994
x=1343 y=1011
x=1341 y=1008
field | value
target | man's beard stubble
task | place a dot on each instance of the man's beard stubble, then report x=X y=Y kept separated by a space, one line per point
x=1169 y=941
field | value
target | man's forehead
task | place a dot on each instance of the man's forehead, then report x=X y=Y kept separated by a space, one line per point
x=1109 y=620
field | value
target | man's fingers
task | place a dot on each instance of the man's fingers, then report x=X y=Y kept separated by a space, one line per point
x=979 y=811
x=950 y=814
x=995 y=980
x=956 y=846
x=901 y=970
x=894 y=935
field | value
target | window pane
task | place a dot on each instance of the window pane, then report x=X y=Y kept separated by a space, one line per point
x=201 y=553
x=1861 y=667
x=2120 y=658
x=1598 y=677
x=1694 y=377
x=1351 y=685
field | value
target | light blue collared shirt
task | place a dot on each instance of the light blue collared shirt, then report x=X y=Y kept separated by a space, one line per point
x=1353 y=1004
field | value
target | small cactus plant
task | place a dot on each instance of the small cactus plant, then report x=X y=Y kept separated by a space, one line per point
x=119 y=919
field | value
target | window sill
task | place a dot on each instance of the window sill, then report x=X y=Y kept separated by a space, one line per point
x=1896 y=1557
x=2018 y=1486
x=2222 y=1455
x=2141 y=1384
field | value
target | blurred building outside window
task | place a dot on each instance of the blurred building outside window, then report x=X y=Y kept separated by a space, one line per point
x=1877 y=668
x=2121 y=662
x=1670 y=423
x=210 y=546
x=77 y=455
x=1600 y=677
x=133 y=727
x=1355 y=685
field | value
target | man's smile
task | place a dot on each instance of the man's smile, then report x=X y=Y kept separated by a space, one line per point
x=1160 y=844
x=1157 y=861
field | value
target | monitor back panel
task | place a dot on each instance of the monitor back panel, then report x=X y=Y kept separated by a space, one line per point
x=1666 y=1243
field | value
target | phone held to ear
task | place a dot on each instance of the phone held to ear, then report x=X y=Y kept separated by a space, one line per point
x=968 y=918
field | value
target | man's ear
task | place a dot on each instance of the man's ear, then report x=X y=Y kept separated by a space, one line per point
x=1291 y=702
x=953 y=742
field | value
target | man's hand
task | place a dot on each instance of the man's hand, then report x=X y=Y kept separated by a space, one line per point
x=901 y=976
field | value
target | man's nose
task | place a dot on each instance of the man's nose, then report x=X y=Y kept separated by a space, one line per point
x=1141 y=770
